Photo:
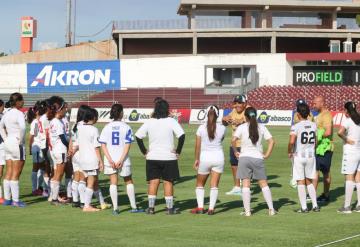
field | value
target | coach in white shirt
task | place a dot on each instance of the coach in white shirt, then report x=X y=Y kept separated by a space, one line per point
x=161 y=158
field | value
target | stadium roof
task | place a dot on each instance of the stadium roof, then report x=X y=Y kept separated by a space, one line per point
x=294 y=57
x=291 y=5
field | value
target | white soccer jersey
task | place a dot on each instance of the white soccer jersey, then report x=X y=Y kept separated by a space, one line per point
x=116 y=135
x=211 y=150
x=34 y=131
x=248 y=149
x=352 y=133
x=14 y=123
x=161 y=137
x=57 y=128
x=67 y=127
x=75 y=135
x=1 y=140
x=88 y=137
x=44 y=125
x=305 y=132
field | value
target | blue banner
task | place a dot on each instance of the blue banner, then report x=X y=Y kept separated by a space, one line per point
x=73 y=76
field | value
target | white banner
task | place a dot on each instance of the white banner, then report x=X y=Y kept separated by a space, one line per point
x=198 y=116
x=275 y=117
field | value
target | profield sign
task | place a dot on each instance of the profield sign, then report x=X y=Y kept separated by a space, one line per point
x=319 y=77
x=73 y=76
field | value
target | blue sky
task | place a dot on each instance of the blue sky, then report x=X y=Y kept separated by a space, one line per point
x=92 y=16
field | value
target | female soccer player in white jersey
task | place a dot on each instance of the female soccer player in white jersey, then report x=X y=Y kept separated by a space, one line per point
x=162 y=157
x=90 y=156
x=79 y=181
x=349 y=132
x=59 y=146
x=116 y=138
x=68 y=165
x=2 y=154
x=12 y=130
x=33 y=116
x=209 y=159
x=251 y=158
x=301 y=149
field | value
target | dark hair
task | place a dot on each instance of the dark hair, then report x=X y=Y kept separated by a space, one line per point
x=15 y=97
x=89 y=115
x=7 y=104
x=116 y=111
x=40 y=107
x=80 y=115
x=250 y=114
x=96 y=114
x=1 y=102
x=303 y=109
x=161 y=109
x=351 y=109
x=157 y=99
x=211 y=121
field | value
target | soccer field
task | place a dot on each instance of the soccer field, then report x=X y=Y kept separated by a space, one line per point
x=40 y=224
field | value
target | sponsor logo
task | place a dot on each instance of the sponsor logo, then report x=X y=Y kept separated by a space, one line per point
x=266 y=118
x=134 y=116
x=263 y=118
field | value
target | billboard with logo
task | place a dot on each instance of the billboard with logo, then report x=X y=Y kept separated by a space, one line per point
x=275 y=118
x=73 y=76
x=198 y=116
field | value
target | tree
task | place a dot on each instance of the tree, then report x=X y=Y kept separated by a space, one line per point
x=3 y=54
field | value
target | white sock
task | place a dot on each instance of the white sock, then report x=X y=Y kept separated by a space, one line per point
x=114 y=196
x=302 y=196
x=169 y=201
x=268 y=197
x=75 y=191
x=246 y=196
x=130 y=189
x=40 y=178
x=349 y=188
x=151 y=199
x=7 y=189
x=47 y=184
x=14 y=185
x=88 y=196
x=358 y=193
x=1 y=193
x=200 y=194
x=55 y=187
x=68 y=185
x=213 y=197
x=82 y=189
x=99 y=197
x=312 y=194
x=34 y=182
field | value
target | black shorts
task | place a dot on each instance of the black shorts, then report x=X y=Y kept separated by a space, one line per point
x=233 y=160
x=323 y=163
x=168 y=170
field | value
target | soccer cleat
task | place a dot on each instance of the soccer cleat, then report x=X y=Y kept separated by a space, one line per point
x=90 y=209
x=316 y=209
x=7 y=202
x=76 y=204
x=357 y=209
x=302 y=211
x=2 y=200
x=246 y=213
x=211 y=212
x=172 y=211
x=150 y=211
x=136 y=210
x=18 y=204
x=104 y=206
x=197 y=211
x=323 y=198
x=37 y=193
x=344 y=210
x=45 y=194
x=116 y=212
x=235 y=191
x=81 y=205
x=272 y=212
x=64 y=200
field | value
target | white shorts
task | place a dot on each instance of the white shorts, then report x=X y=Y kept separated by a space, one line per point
x=350 y=163
x=37 y=154
x=125 y=171
x=304 y=168
x=90 y=173
x=13 y=150
x=58 y=158
x=75 y=162
x=2 y=157
x=205 y=167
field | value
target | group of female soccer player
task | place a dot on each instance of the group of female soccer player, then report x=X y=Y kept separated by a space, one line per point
x=58 y=149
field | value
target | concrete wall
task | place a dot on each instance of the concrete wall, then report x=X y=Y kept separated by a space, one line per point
x=188 y=71
x=102 y=50
x=13 y=78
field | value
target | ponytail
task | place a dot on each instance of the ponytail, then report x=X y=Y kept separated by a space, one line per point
x=351 y=109
x=212 y=115
x=250 y=114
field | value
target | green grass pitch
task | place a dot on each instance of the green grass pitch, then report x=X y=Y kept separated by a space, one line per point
x=40 y=224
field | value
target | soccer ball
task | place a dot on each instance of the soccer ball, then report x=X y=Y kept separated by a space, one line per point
x=293 y=183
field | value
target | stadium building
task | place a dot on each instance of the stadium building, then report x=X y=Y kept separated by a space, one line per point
x=275 y=51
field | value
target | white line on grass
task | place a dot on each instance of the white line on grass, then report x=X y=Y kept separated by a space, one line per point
x=338 y=241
